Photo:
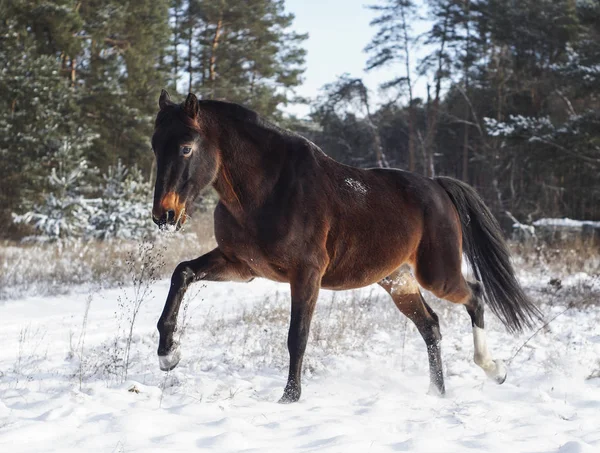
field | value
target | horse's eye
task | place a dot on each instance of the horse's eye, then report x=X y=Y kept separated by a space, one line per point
x=186 y=150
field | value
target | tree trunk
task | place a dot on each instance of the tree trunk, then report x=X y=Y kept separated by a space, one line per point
x=411 y=138
x=434 y=113
x=190 y=46
x=425 y=143
x=379 y=154
x=213 y=52
x=411 y=108
x=73 y=72
x=175 y=51
x=465 y=154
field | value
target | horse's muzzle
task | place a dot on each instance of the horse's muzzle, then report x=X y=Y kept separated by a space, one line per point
x=168 y=218
x=168 y=221
x=169 y=212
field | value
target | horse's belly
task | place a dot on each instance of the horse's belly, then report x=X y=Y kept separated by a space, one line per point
x=366 y=261
x=352 y=280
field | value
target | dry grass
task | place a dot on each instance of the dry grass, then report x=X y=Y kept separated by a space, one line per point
x=566 y=273
x=346 y=323
x=343 y=323
x=49 y=269
x=559 y=258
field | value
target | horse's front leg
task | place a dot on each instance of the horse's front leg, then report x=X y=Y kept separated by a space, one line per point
x=213 y=266
x=305 y=289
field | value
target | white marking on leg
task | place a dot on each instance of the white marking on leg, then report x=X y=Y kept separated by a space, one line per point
x=170 y=361
x=482 y=356
x=495 y=369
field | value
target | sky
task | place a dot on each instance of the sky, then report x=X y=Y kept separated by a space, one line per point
x=338 y=33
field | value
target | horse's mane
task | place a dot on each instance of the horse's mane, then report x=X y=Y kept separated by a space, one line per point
x=245 y=120
x=244 y=115
x=229 y=110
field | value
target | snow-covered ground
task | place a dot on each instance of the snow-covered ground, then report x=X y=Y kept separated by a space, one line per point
x=62 y=386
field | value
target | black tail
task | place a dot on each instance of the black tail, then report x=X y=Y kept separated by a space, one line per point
x=488 y=255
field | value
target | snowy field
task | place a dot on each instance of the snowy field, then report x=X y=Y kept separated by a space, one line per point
x=63 y=386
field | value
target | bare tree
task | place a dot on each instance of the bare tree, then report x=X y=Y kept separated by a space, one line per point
x=392 y=44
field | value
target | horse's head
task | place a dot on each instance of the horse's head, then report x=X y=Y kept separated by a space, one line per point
x=186 y=159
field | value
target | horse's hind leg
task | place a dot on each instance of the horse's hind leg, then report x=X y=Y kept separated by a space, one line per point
x=495 y=369
x=403 y=288
x=442 y=276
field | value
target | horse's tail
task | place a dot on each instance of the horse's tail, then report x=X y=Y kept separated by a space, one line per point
x=488 y=255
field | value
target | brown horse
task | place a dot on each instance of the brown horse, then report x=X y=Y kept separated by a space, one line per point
x=289 y=213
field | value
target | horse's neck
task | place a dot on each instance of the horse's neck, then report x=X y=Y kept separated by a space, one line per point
x=243 y=181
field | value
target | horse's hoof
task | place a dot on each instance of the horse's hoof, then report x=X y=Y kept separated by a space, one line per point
x=170 y=361
x=290 y=395
x=498 y=372
x=434 y=390
x=285 y=399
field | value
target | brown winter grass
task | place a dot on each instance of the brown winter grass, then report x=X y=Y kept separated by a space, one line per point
x=343 y=322
x=553 y=263
x=54 y=268
x=48 y=269
x=560 y=257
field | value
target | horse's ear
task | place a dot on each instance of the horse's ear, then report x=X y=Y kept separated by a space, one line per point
x=191 y=105
x=164 y=99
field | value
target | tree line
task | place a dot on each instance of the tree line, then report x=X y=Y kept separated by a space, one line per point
x=511 y=105
x=79 y=82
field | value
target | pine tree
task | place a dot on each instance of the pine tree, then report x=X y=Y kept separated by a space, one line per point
x=39 y=116
x=65 y=211
x=345 y=94
x=123 y=209
x=122 y=75
x=87 y=73
x=512 y=102
x=391 y=45
x=241 y=51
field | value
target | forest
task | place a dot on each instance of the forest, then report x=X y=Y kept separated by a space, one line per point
x=118 y=336
x=512 y=103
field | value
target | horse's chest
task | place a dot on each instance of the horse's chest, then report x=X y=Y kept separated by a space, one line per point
x=268 y=253
x=262 y=263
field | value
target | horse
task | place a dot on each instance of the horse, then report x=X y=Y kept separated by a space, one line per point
x=289 y=213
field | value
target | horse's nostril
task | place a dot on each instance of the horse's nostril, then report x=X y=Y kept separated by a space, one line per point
x=170 y=216
x=167 y=217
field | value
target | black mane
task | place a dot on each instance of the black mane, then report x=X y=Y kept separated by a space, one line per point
x=241 y=117
x=242 y=114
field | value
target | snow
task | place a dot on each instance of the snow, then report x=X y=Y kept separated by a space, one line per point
x=356 y=186
x=517 y=123
x=566 y=222
x=364 y=389
x=556 y=228
x=119 y=208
